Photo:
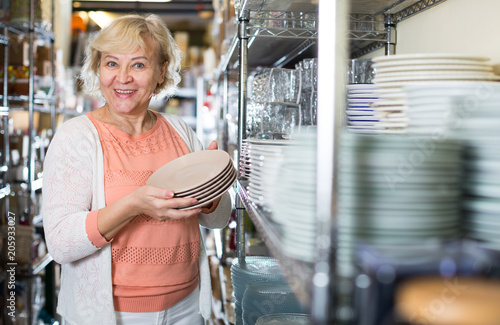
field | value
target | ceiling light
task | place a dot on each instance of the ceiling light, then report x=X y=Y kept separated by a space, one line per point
x=101 y=18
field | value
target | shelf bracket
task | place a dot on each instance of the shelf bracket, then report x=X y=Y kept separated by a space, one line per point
x=390 y=45
x=242 y=112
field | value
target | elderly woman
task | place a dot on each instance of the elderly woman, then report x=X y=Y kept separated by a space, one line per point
x=129 y=255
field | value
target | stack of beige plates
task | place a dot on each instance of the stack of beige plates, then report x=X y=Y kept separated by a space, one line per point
x=204 y=175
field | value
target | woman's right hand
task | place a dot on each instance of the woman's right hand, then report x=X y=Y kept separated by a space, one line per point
x=161 y=204
x=155 y=202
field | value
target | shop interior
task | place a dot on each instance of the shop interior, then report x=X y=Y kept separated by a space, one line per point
x=365 y=134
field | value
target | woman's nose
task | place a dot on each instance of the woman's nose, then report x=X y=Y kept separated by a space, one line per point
x=124 y=75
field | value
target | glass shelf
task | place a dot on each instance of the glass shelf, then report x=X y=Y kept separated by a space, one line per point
x=298 y=273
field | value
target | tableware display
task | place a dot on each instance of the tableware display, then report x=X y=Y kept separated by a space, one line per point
x=396 y=191
x=274 y=85
x=395 y=74
x=360 y=71
x=265 y=159
x=441 y=106
x=477 y=125
x=255 y=268
x=294 y=200
x=263 y=298
x=205 y=175
x=360 y=114
x=284 y=319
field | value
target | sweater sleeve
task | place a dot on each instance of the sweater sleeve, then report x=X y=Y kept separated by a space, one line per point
x=220 y=217
x=68 y=191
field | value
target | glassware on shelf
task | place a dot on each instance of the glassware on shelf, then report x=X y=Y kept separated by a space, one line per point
x=309 y=71
x=272 y=120
x=275 y=85
x=360 y=71
x=308 y=107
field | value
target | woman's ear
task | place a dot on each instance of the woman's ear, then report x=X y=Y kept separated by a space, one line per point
x=163 y=72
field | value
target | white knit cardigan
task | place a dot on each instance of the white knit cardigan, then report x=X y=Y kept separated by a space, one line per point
x=73 y=185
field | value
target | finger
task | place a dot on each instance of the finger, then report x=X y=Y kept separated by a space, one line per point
x=159 y=192
x=213 y=145
x=180 y=203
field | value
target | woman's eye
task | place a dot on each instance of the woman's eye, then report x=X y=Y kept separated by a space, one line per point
x=111 y=64
x=139 y=65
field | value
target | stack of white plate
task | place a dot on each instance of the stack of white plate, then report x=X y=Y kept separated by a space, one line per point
x=359 y=112
x=284 y=319
x=397 y=71
x=294 y=203
x=245 y=160
x=439 y=107
x=480 y=131
x=204 y=175
x=263 y=298
x=255 y=268
x=396 y=192
x=265 y=157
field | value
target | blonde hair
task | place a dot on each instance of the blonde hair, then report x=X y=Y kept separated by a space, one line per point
x=128 y=33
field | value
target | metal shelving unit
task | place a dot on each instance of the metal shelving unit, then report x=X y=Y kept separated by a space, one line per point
x=343 y=30
x=34 y=32
x=260 y=44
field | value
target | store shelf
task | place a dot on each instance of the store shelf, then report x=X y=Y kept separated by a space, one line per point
x=270 y=45
x=37 y=99
x=185 y=93
x=41 y=30
x=4 y=40
x=401 y=9
x=37 y=184
x=41 y=264
x=68 y=112
x=298 y=273
x=276 y=5
x=4 y=191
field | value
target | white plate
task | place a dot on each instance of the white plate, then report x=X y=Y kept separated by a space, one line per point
x=362 y=118
x=394 y=131
x=366 y=96
x=190 y=171
x=433 y=67
x=390 y=108
x=362 y=123
x=432 y=73
x=359 y=87
x=430 y=56
x=409 y=78
x=483 y=205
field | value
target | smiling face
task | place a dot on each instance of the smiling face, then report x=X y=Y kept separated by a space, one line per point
x=129 y=80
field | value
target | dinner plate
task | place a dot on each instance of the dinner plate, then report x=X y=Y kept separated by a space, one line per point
x=194 y=192
x=214 y=186
x=214 y=195
x=430 y=56
x=190 y=171
x=433 y=67
x=410 y=78
x=377 y=132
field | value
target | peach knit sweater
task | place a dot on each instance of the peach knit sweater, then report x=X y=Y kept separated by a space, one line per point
x=154 y=264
